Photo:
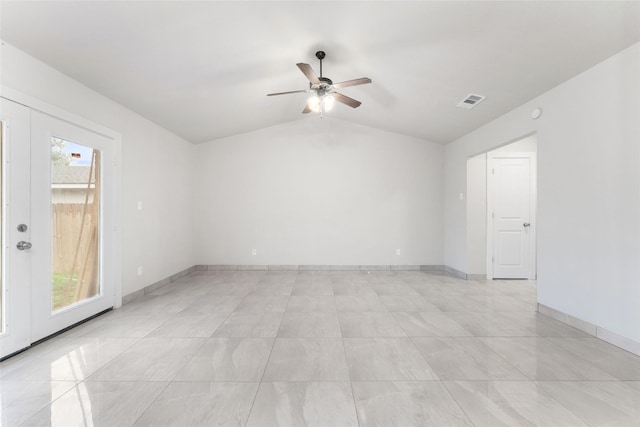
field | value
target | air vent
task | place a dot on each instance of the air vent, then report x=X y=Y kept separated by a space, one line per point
x=471 y=101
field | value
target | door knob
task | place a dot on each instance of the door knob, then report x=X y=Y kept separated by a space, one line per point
x=22 y=245
x=526 y=224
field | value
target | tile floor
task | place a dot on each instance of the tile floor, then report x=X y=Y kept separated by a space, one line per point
x=328 y=349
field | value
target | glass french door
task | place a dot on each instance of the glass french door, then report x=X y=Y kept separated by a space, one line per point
x=59 y=182
x=15 y=281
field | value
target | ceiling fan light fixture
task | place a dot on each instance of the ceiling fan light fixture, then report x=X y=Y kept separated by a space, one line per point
x=314 y=103
x=328 y=102
x=324 y=103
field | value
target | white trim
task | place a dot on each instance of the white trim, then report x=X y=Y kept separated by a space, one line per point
x=71 y=186
x=586 y=327
x=157 y=285
x=328 y=267
x=599 y=332
x=533 y=196
x=57 y=112
x=489 y=218
x=618 y=340
x=458 y=273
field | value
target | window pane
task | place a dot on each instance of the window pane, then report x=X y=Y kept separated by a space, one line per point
x=75 y=223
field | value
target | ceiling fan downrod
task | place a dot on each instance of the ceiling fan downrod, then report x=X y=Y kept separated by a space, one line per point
x=327 y=81
x=320 y=55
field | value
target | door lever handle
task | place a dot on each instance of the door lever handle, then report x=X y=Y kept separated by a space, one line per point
x=526 y=224
x=22 y=245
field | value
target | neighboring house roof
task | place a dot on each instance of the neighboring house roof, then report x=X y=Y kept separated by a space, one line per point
x=70 y=174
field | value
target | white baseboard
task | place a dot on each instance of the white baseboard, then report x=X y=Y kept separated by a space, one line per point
x=567 y=319
x=457 y=273
x=597 y=331
x=160 y=283
x=432 y=268
x=619 y=341
x=233 y=267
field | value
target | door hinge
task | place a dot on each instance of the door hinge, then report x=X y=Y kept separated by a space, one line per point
x=493 y=260
x=493 y=171
x=493 y=215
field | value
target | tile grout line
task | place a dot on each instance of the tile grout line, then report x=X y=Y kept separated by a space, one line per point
x=442 y=383
x=171 y=381
x=152 y=402
x=501 y=357
x=546 y=339
x=346 y=361
x=75 y=386
x=535 y=383
x=266 y=365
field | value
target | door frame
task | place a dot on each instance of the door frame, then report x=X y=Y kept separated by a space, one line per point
x=116 y=231
x=532 y=156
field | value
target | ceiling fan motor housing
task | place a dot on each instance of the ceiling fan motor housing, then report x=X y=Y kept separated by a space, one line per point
x=324 y=85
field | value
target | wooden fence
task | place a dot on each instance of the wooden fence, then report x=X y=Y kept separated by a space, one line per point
x=65 y=226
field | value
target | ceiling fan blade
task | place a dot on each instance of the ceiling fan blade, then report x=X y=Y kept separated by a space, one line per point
x=286 y=93
x=355 y=82
x=306 y=110
x=346 y=100
x=308 y=71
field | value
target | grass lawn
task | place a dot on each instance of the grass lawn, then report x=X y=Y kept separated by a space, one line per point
x=63 y=292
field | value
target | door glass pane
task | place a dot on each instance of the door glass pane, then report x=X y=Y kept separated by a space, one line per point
x=75 y=223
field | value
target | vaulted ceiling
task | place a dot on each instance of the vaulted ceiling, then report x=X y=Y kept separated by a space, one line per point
x=202 y=69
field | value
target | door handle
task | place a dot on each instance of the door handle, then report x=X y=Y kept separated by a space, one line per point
x=526 y=224
x=22 y=245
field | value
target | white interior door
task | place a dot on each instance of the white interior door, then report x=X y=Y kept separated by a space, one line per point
x=59 y=215
x=511 y=203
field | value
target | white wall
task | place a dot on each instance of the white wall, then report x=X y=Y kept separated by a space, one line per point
x=588 y=192
x=477 y=214
x=525 y=145
x=156 y=170
x=319 y=191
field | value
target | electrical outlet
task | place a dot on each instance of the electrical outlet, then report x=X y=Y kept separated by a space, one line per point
x=139 y=206
x=254 y=252
x=139 y=271
x=397 y=251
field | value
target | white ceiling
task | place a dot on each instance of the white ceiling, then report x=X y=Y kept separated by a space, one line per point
x=202 y=69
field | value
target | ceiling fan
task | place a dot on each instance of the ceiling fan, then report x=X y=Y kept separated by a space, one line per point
x=324 y=89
